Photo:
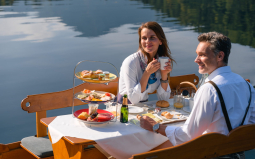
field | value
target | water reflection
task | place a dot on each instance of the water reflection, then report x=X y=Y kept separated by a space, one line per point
x=234 y=18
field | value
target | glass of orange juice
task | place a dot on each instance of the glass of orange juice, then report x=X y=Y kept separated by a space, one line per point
x=178 y=101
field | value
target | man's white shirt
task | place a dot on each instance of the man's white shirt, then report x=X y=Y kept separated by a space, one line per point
x=207 y=116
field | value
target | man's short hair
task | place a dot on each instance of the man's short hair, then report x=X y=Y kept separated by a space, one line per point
x=218 y=41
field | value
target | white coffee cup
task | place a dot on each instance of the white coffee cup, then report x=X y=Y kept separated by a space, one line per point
x=163 y=61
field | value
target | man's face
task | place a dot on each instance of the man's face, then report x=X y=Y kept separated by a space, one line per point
x=206 y=59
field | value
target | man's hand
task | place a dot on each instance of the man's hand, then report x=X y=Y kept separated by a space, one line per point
x=147 y=123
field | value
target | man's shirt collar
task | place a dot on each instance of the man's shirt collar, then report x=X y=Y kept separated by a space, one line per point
x=218 y=71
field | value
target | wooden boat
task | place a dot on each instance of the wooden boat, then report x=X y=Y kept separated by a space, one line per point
x=206 y=146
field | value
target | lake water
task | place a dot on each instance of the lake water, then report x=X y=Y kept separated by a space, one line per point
x=41 y=41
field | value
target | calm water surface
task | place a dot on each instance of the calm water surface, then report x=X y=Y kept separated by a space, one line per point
x=41 y=42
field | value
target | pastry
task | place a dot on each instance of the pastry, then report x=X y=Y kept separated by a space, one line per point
x=168 y=115
x=162 y=103
x=83 y=116
x=84 y=74
x=98 y=72
x=163 y=113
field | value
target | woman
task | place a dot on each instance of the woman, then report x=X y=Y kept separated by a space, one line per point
x=140 y=72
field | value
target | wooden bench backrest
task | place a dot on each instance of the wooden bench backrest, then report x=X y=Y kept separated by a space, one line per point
x=40 y=103
x=208 y=145
x=176 y=80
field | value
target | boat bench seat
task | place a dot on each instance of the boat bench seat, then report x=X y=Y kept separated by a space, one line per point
x=40 y=146
x=41 y=103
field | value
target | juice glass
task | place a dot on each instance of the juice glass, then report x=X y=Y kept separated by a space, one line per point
x=178 y=101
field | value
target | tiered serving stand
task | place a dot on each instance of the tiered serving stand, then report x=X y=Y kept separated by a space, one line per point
x=112 y=76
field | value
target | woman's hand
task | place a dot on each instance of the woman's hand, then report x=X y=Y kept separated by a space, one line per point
x=147 y=123
x=153 y=66
x=168 y=68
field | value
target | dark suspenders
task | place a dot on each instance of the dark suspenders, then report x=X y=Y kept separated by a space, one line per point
x=224 y=110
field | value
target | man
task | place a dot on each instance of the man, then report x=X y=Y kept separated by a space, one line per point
x=212 y=57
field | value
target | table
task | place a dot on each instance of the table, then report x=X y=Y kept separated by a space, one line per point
x=71 y=147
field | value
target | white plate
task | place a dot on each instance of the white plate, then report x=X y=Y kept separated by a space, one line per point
x=186 y=109
x=134 y=109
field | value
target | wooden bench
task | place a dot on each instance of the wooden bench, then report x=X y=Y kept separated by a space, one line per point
x=207 y=146
x=40 y=103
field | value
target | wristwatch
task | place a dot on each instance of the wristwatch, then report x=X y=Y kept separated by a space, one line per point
x=155 y=128
x=164 y=81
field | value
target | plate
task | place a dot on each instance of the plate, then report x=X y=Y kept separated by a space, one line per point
x=134 y=109
x=186 y=109
x=93 y=102
x=100 y=111
x=163 y=108
x=95 y=80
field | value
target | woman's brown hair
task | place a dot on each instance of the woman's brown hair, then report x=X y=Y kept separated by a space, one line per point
x=163 y=50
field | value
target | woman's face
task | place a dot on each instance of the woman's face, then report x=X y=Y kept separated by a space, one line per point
x=150 y=41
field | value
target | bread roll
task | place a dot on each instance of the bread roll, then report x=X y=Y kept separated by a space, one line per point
x=162 y=103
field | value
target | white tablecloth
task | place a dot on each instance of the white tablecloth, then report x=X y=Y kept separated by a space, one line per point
x=118 y=139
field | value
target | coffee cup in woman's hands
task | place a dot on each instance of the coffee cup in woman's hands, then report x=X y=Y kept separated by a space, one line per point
x=163 y=61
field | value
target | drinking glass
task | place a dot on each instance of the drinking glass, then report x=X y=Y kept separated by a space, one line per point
x=178 y=101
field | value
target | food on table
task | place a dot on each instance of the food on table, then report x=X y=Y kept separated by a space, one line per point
x=107 y=74
x=178 y=105
x=88 y=74
x=93 y=117
x=157 y=110
x=153 y=117
x=162 y=103
x=86 y=91
x=98 y=72
x=94 y=96
x=84 y=73
x=107 y=94
x=163 y=113
x=83 y=116
x=167 y=115
x=101 y=77
x=138 y=117
x=94 y=99
x=104 y=116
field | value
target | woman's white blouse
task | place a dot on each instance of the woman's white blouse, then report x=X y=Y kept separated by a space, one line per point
x=129 y=82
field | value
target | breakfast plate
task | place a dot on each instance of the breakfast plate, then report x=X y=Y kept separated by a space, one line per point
x=96 y=80
x=84 y=97
x=134 y=109
x=99 y=111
